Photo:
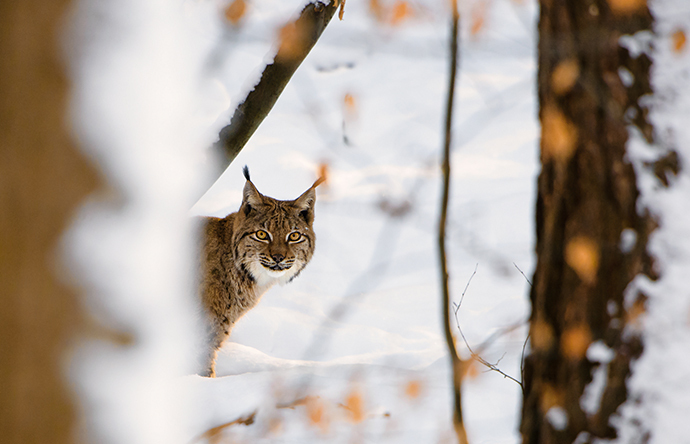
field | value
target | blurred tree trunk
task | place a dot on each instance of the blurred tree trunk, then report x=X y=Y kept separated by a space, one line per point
x=591 y=241
x=42 y=179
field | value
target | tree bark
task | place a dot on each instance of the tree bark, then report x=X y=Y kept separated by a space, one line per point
x=42 y=179
x=591 y=240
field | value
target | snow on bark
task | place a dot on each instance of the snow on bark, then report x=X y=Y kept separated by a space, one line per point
x=658 y=404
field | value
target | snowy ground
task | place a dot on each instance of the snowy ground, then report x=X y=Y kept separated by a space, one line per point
x=352 y=351
x=363 y=320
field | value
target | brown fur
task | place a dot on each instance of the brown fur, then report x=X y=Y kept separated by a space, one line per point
x=238 y=266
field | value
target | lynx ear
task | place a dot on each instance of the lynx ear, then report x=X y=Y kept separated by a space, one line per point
x=251 y=198
x=305 y=203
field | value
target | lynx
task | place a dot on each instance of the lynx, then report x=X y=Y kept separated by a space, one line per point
x=266 y=242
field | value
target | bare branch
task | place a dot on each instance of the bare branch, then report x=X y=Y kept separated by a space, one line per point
x=457 y=364
x=523 y=274
x=462 y=296
x=522 y=362
x=476 y=355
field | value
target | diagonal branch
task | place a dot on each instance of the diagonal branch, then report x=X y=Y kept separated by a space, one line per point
x=296 y=40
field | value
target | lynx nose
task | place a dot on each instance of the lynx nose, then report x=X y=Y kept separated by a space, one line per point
x=278 y=258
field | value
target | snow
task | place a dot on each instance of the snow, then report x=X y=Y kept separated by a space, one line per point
x=365 y=313
x=131 y=245
x=352 y=350
x=659 y=389
x=601 y=355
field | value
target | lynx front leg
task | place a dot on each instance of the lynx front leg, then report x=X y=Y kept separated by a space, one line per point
x=219 y=333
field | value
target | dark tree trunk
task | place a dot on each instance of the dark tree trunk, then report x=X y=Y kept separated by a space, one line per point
x=591 y=240
x=43 y=177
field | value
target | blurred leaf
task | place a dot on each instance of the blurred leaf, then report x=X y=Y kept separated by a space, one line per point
x=275 y=425
x=541 y=335
x=316 y=412
x=564 y=76
x=401 y=11
x=350 y=106
x=354 y=403
x=627 y=7
x=679 y=40
x=413 y=389
x=472 y=369
x=551 y=397
x=377 y=10
x=559 y=135
x=634 y=313
x=235 y=11
x=323 y=172
x=582 y=255
x=575 y=342
x=293 y=40
x=478 y=18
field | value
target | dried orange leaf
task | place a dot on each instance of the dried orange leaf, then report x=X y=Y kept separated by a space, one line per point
x=564 y=76
x=401 y=11
x=354 y=403
x=551 y=397
x=627 y=7
x=316 y=412
x=679 y=40
x=575 y=342
x=293 y=41
x=541 y=335
x=235 y=11
x=471 y=370
x=634 y=313
x=377 y=10
x=477 y=18
x=350 y=105
x=413 y=389
x=275 y=425
x=582 y=254
x=559 y=135
x=341 y=13
x=323 y=172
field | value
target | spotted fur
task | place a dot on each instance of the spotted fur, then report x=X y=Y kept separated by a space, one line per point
x=266 y=242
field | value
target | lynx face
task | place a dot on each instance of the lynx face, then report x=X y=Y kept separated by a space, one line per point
x=274 y=239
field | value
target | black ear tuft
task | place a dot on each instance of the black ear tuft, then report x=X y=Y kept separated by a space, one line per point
x=307 y=215
x=245 y=170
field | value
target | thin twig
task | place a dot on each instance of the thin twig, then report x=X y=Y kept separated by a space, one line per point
x=522 y=361
x=462 y=296
x=523 y=274
x=497 y=334
x=476 y=355
x=524 y=345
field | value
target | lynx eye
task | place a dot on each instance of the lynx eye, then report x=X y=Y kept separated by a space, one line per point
x=294 y=236
x=261 y=235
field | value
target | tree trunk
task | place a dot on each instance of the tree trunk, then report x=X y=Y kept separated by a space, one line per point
x=42 y=179
x=591 y=241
